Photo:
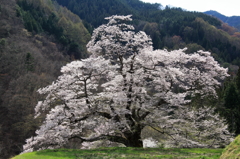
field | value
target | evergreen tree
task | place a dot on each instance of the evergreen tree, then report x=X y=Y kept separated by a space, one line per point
x=238 y=80
x=232 y=104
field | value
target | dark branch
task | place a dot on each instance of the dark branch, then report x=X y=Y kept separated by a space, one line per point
x=73 y=120
x=118 y=139
x=145 y=115
x=104 y=114
x=162 y=132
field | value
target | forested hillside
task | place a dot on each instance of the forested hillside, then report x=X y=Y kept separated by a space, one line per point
x=49 y=17
x=38 y=37
x=170 y=28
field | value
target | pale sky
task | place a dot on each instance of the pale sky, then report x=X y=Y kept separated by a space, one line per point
x=225 y=7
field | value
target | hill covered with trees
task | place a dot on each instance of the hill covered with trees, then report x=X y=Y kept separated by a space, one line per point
x=171 y=28
x=36 y=39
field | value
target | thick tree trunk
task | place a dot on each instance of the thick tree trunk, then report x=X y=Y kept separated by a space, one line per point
x=134 y=140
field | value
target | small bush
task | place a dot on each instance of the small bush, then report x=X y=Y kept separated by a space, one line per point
x=2 y=41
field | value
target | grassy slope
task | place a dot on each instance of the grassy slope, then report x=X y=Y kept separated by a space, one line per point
x=233 y=150
x=118 y=153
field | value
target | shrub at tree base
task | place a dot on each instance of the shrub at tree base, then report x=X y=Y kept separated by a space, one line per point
x=233 y=150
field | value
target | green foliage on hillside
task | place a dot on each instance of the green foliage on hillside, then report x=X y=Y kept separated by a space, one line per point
x=46 y=16
x=95 y=11
x=218 y=41
x=123 y=153
x=171 y=28
x=230 y=107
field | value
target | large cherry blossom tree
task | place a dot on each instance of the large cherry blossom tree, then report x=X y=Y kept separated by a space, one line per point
x=123 y=87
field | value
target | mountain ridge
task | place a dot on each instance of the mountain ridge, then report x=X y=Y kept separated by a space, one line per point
x=231 y=20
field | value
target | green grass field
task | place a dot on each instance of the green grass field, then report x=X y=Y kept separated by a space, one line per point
x=120 y=153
